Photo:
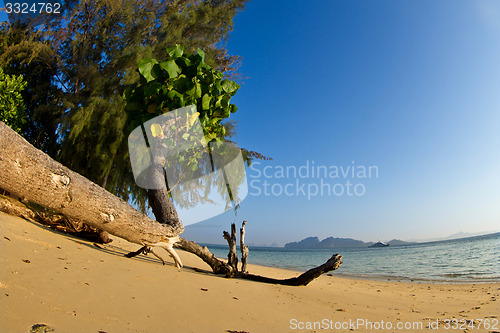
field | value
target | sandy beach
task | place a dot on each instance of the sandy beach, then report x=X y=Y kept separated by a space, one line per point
x=73 y=286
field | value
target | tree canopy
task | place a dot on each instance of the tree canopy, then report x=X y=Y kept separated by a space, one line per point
x=22 y=52
x=189 y=153
x=78 y=64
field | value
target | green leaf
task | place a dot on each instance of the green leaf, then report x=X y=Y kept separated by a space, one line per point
x=11 y=102
x=205 y=102
x=218 y=87
x=173 y=94
x=171 y=67
x=152 y=88
x=218 y=74
x=156 y=71
x=185 y=79
x=183 y=62
x=182 y=102
x=145 y=67
x=201 y=53
x=127 y=94
x=204 y=119
x=225 y=101
x=190 y=71
x=198 y=60
x=183 y=84
x=210 y=136
x=191 y=91
x=198 y=90
x=219 y=112
x=229 y=86
x=175 y=51
x=217 y=101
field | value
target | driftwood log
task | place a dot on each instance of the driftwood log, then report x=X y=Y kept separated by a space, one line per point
x=230 y=268
x=232 y=257
x=220 y=267
x=243 y=248
x=303 y=279
x=34 y=176
x=15 y=207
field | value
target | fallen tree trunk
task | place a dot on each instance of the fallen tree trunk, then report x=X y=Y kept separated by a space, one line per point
x=230 y=269
x=303 y=279
x=53 y=220
x=35 y=177
x=14 y=207
x=220 y=267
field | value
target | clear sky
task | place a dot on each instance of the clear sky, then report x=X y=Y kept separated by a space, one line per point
x=411 y=87
x=3 y=15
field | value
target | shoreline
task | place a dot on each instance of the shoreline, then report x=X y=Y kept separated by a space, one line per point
x=47 y=277
x=388 y=278
x=414 y=280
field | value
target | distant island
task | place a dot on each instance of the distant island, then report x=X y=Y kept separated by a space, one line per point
x=332 y=242
x=379 y=244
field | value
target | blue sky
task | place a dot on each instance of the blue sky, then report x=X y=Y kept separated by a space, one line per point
x=3 y=15
x=412 y=87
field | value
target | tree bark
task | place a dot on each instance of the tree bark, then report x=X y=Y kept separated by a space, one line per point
x=232 y=257
x=14 y=207
x=231 y=267
x=303 y=279
x=159 y=201
x=164 y=209
x=243 y=248
x=32 y=175
x=218 y=266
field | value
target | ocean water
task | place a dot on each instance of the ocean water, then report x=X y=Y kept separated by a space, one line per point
x=475 y=259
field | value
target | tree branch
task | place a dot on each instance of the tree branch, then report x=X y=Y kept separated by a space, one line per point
x=303 y=279
x=32 y=175
x=243 y=248
x=14 y=207
x=231 y=240
x=220 y=267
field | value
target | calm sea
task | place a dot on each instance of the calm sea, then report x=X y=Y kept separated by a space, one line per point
x=475 y=259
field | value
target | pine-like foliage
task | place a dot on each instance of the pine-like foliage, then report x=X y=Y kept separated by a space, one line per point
x=84 y=58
